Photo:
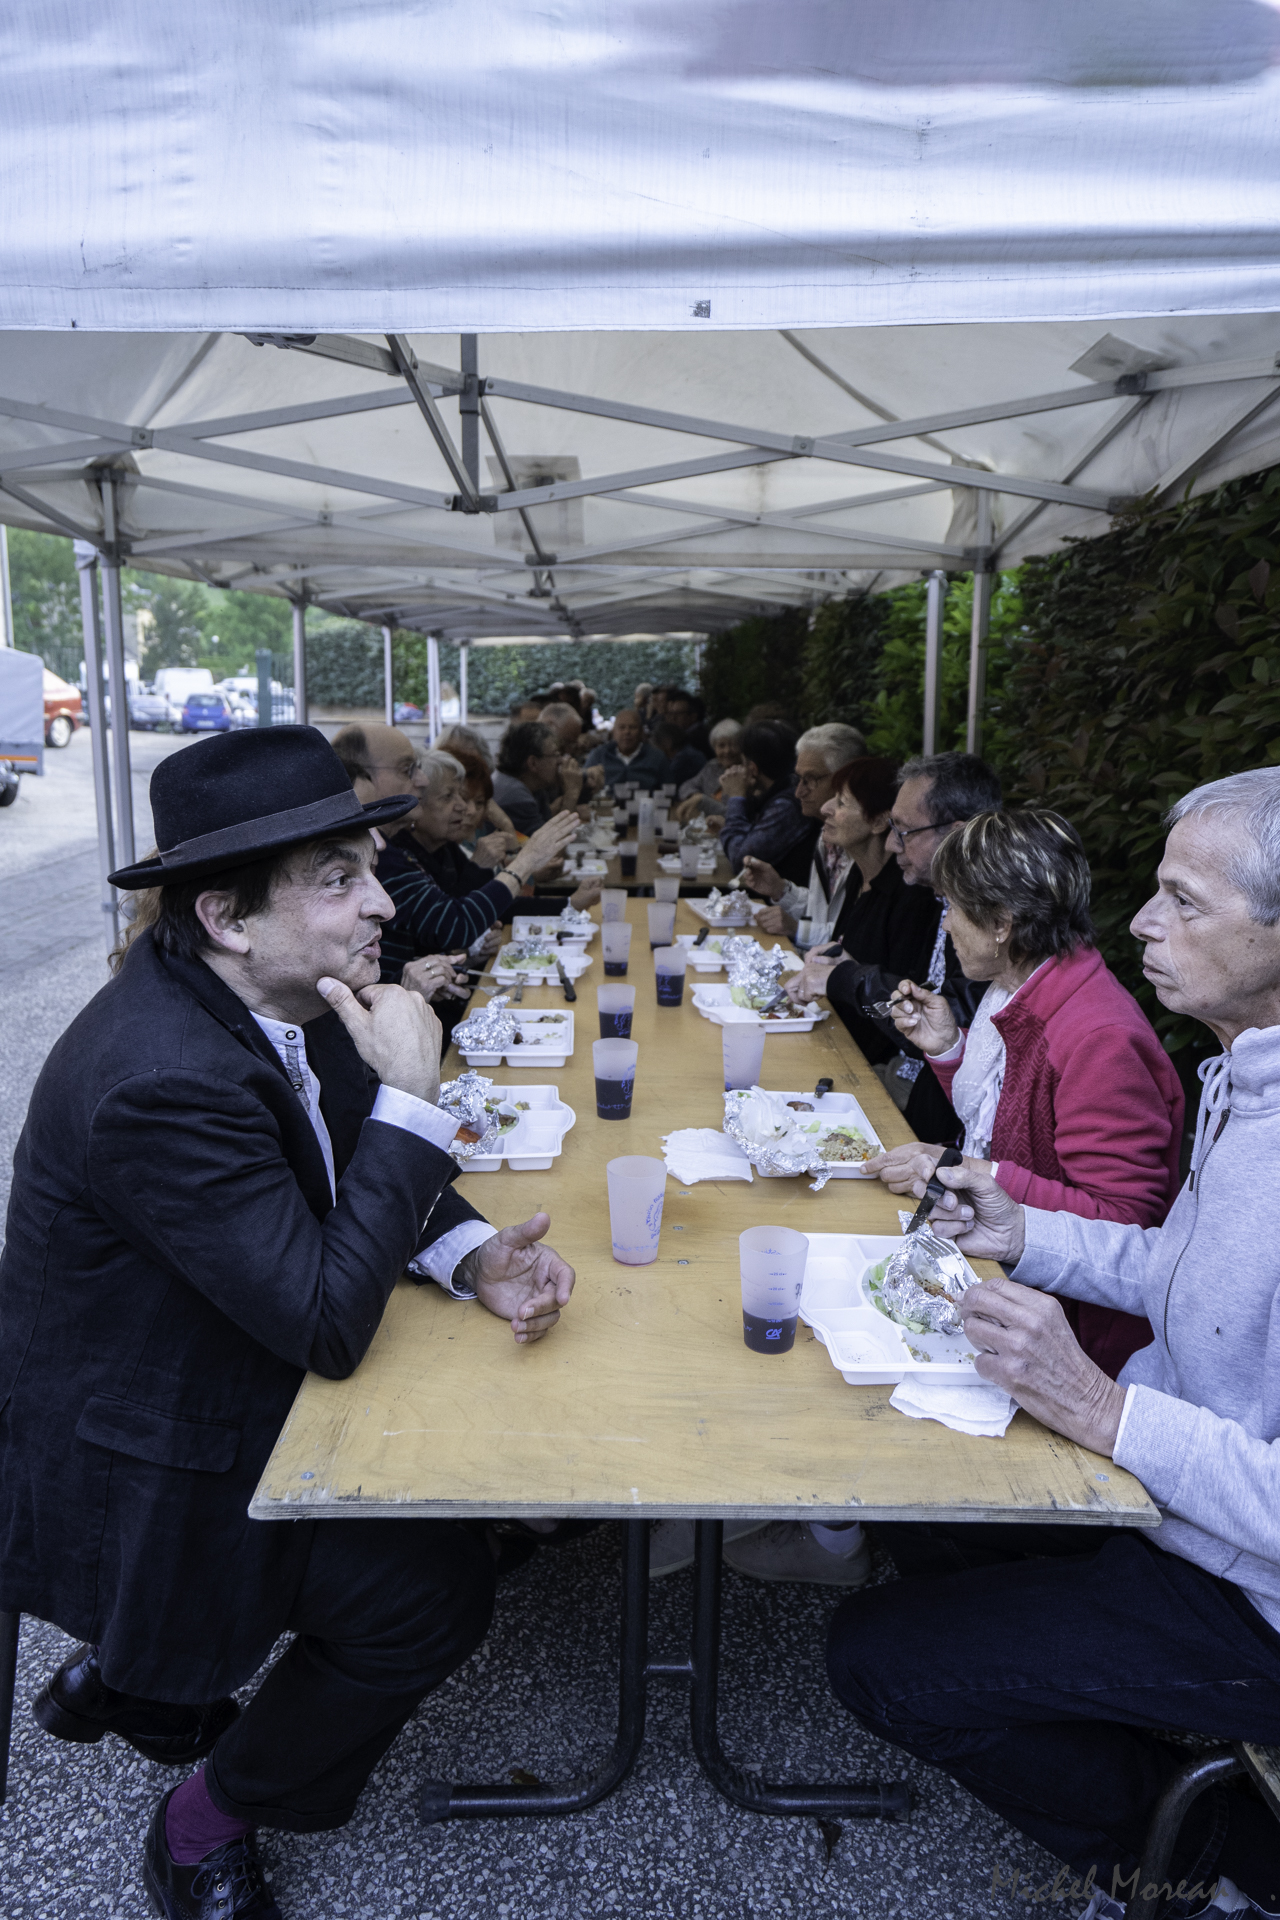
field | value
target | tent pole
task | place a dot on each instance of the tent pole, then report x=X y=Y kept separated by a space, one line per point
x=6 y=592
x=388 y=686
x=91 y=621
x=433 y=688
x=469 y=406
x=933 y=657
x=463 y=710
x=982 y=582
x=300 y=662
x=113 y=613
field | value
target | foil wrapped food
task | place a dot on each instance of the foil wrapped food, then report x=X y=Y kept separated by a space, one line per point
x=491 y=1028
x=575 y=923
x=720 y=906
x=920 y=1288
x=766 y=1129
x=753 y=972
x=467 y=1098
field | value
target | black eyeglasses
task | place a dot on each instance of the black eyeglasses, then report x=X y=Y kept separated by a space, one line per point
x=896 y=832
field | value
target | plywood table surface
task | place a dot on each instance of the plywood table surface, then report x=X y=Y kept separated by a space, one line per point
x=644 y=1399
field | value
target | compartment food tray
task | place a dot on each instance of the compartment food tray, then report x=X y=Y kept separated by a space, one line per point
x=574 y=960
x=533 y=1055
x=863 y=1344
x=713 y=999
x=539 y=1138
x=833 y=1106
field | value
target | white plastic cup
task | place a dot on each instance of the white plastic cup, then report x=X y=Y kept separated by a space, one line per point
x=620 y=818
x=615 y=1006
x=743 y=1048
x=666 y=888
x=614 y=1065
x=637 y=1186
x=688 y=861
x=627 y=858
x=615 y=939
x=669 y=788
x=644 y=828
x=613 y=904
x=669 y=965
x=662 y=923
x=772 y=1262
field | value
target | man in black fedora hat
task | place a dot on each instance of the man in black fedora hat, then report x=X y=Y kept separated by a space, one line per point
x=230 y=1158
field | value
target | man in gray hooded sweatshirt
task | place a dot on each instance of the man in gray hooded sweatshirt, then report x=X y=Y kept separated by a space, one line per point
x=1066 y=1647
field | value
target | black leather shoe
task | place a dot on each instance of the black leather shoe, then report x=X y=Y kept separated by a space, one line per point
x=227 y=1882
x=77 y=1704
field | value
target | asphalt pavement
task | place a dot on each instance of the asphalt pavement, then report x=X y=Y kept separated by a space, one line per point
x=539 y=1696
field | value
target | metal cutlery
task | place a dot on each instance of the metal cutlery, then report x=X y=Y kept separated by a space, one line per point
x=951 y=1157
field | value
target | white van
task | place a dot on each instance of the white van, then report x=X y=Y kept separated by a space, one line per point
x=174 y=684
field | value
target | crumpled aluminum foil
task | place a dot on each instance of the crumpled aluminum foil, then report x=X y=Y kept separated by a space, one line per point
x=491 y=1028
x=718 y=904
x=919 y=1286
x=465 y=1097
x=766 y=1129
x=751 y=968
x=576 y=923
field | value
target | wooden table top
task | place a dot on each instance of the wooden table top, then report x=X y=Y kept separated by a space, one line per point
x=644 y=1400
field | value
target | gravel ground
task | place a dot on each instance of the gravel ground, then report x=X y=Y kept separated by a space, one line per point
x=539 y=1696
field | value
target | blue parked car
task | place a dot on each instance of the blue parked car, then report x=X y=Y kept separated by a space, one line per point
x=206 y=713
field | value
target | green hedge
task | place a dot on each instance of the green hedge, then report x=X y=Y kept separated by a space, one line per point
x=498 y=675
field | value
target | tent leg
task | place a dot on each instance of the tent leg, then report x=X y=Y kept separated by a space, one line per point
x=91 y=620
x=982 y=583
x=300 y=662
x=463 y=709
x=433 y=688
x=113 y=614
x=933 y=657
x=388 y=680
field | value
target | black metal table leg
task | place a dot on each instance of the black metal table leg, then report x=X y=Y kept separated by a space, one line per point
x=9 y=1624
x=885 y=1799
x=440 y=1801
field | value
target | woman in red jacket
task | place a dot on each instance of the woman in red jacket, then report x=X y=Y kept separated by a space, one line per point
x=1060 y=1082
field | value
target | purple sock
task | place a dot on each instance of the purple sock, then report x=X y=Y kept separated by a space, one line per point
x=193 y=1826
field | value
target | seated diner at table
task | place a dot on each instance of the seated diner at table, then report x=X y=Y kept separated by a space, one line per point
x=820 y=754
x=536 y=778
x=1040 y=1666
x=230 y=1159
x=1062 y=1088
x=761 y=814
x=626 y=758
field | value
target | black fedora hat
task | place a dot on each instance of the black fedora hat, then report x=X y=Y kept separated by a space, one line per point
x=234 y=797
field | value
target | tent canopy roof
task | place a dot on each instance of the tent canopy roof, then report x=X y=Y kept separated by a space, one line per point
x=753 y=299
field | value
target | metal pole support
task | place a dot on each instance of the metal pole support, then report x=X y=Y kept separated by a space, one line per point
x=983 y=578
x=463 y=708
x=935 y=608
x=1152 y=1888
x=469 y=406
x=266 y=700
x=91 y=622
x=388 y=679
x=113 y=615
x=300 y=662
x=433 y=688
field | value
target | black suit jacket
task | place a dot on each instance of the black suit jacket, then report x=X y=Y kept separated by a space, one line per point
x=174 y=1265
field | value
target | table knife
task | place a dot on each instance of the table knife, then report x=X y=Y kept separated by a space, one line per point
x=570 y=991
x=951 y=1157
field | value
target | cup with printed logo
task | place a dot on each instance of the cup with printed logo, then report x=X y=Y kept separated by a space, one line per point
x=614 y=1064
x=669 y=965
x=615 y=940
x=613 y=904
x=688 y=860
x=637 y=1186
x=615 y=1006
x=772 y=1262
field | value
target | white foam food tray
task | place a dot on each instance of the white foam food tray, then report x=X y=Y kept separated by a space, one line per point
x=548 y=1041
x=537 y=1140
x=864 y=1345
x=829 y=1107
x=699 y=909
x=708 y=958
x=670 y=863
x=525 y=928
x=715 y=999
x=574 y=960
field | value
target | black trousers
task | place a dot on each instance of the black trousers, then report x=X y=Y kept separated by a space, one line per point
x=386 y=1610
x=1035 y=1682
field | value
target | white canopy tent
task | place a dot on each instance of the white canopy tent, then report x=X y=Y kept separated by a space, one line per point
x=639 y=316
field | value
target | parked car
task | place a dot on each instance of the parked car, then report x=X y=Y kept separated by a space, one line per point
x=405 y=710
x=149 y=712
x=63 y=710
x=206 y=713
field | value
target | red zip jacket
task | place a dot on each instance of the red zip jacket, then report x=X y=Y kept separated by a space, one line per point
x=1090 y=1116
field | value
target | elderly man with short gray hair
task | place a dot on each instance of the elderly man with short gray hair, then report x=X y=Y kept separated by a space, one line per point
x=820 y=753
x=1068 y=1651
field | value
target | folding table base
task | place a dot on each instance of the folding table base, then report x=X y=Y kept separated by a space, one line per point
x=888 y=1800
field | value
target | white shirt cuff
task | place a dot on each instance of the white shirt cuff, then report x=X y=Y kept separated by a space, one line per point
x=1124 y=1421
x=431 y=1124
x=952 y=1053
x=439 y=1260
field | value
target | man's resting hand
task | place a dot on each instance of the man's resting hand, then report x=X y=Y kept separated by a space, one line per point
x=395 y=1032
x=1024 y=1345
x=519 y=1280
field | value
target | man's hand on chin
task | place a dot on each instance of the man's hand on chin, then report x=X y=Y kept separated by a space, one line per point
x=520 y=1280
